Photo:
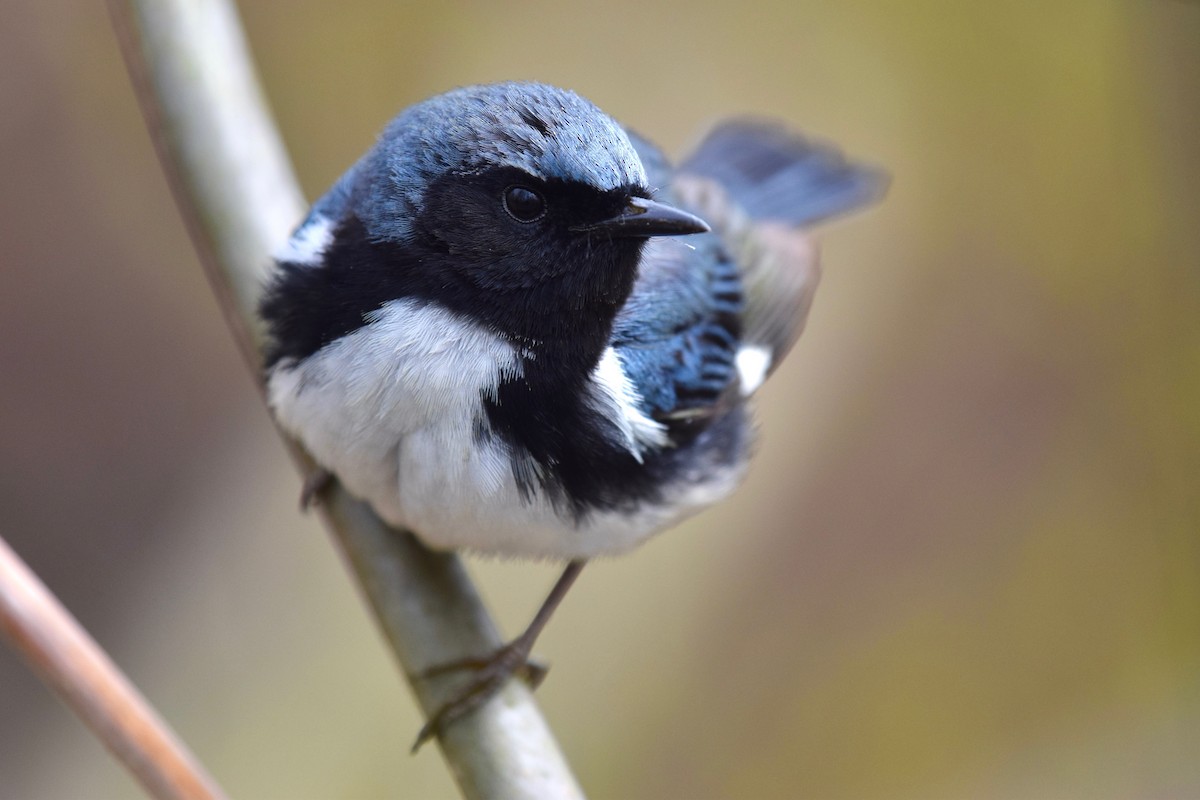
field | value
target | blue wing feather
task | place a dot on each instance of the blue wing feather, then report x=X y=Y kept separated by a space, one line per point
x=697 y=301
x=678 y=333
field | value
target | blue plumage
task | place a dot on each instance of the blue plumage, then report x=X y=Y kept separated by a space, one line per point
x=679 y=332
x=773 y=174
x=468 y=130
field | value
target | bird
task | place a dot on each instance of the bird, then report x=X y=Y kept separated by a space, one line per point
x=513 y=327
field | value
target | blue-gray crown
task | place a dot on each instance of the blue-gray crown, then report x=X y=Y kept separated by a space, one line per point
x=550 y=133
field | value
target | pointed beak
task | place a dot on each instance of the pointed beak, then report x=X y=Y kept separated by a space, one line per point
x=644 y=218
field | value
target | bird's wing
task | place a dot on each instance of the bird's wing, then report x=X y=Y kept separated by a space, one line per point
x=677 y=335
x=711 y=315
x=759 y=186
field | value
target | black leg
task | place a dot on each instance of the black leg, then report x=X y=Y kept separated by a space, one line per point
x=492 y=672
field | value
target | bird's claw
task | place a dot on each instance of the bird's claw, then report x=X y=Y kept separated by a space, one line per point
x=491 y=674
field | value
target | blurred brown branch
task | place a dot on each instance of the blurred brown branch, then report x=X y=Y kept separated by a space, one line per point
x=69 y=661
x=236 y=191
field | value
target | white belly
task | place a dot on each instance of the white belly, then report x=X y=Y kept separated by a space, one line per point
x=467 y=498
x=393 y=410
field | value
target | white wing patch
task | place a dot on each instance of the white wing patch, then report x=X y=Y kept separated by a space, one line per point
x=615 y=396
x=307 y=245
x=753 y=362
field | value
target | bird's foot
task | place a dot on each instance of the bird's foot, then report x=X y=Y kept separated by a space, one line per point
x=491 y=673
x=316 y=483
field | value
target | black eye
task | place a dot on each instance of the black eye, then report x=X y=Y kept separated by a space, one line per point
x=522 y=204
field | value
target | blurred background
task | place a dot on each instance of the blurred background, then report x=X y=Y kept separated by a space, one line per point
x=965 y=564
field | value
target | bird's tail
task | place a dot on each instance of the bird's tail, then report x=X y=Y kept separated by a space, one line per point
x=771 y=173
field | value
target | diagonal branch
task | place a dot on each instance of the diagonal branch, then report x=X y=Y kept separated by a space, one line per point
x=235 y=189
x=71 y=663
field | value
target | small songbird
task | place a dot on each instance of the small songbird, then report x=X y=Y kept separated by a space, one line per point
x=513 y=328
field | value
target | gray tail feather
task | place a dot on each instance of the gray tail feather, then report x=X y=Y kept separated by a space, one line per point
x=771 y=173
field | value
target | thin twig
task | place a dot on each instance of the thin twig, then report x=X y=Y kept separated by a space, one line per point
x=235 y=189
x=69 y=661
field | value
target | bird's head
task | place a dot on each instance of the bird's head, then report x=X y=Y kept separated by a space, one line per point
x=526 y=196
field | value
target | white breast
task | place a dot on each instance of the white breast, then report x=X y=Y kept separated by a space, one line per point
x=394 y=409
x=413 y=368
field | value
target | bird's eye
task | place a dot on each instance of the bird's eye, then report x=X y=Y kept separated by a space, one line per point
x=523 y=205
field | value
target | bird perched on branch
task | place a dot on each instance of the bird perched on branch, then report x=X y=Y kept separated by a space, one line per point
x=513 y=328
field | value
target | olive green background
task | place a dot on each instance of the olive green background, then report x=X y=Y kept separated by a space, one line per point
x=965 y=564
